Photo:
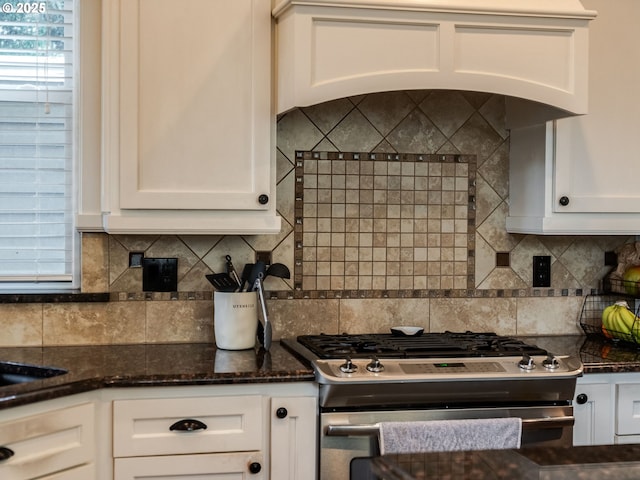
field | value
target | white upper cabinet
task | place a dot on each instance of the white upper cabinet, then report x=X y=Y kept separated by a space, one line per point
x=188 y=126
x=580 y=174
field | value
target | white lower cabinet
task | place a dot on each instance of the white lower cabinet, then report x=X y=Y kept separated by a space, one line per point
x=48 y=441
x=257 y=432
x=607 y=409
x=293 y=438
x=593 y=411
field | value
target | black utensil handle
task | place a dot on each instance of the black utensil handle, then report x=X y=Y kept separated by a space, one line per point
x=188 y=425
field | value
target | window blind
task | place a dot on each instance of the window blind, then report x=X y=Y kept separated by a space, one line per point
x=36 y=140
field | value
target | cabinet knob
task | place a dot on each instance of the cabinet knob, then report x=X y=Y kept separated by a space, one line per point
x=282 y=412
x=263 y=199
x=255 y=467
x=188 y=425
x=564 y=201
x=582 y=398
x=5 y=453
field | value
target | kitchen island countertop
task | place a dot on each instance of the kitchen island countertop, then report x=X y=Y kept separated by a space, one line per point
x=589 y=463
x=94 y=367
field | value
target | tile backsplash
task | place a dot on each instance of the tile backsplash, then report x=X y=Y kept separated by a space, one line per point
x=434 y=265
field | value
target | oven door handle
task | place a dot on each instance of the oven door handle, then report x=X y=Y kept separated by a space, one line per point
x=373 y=430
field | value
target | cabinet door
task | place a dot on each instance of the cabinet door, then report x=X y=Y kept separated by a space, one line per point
x=47 y=443
x=294 y=427
x=195 y=124
x=628 y=409
x=231 y=466
x=593 y=418
x=597 y=162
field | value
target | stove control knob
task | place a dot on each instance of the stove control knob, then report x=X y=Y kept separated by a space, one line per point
x=348 y=366
x=527 y=362
x=551 y=363
x=375 y=366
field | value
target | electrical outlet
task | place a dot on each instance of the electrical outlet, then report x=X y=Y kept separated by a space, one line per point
x=160 y=274
x=542 y=271
x=264 y=256
x=610 y=259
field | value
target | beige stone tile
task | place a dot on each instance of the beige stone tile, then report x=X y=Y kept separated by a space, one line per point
x=93 y=323
x=200 y=244
x=129 y=281
x=21 y=325
x=549 y=316
x=584 y=260
x=195 y=280
x=95 y=263
x=118 y=259
x=170 y=246
x=178 y=321
x=502 y=278
x=380 y=314
x=476 y=314
x=291 y=318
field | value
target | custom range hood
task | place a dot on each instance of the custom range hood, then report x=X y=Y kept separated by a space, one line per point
x=536 y=50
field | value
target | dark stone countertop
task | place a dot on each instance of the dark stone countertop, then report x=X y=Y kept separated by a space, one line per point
x=94 y=367
x=598 y=354
x=574 y=463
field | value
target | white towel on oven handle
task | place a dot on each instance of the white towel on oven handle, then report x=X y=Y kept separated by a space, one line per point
x=450 y=435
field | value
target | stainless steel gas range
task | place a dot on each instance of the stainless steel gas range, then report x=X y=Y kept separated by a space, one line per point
x=371 y=378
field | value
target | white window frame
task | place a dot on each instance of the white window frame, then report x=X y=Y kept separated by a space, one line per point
x=86 y=141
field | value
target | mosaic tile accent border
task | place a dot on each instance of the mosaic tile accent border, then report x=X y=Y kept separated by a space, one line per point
x=381 y=222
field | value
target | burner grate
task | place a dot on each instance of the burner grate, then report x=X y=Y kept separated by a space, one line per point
x=430 y=345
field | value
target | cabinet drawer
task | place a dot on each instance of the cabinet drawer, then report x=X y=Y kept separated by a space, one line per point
x=48 y=443
x=628 y=409
x=225 y=465
x=143 y=427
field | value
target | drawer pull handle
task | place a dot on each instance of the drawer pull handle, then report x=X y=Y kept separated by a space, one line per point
x=188 y=425
x=6 y=453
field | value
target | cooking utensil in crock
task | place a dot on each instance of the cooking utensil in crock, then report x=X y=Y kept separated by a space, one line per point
x=222 y=282
x=278 y=270
x=231 y=270
x=258 y=268
x=264 y=331
x=246 y=273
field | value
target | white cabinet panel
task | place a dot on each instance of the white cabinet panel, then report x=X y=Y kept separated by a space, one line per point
x=187 y=121
x=230 y=466
x=578 y=175
x=628 y=414
x=593 y=409
x=49 y=442
x=294 y=436
x=143 y=427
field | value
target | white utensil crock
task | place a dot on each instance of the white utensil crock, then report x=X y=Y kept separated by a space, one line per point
x=235 y=319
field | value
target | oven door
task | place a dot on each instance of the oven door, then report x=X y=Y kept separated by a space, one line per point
x=346 y=435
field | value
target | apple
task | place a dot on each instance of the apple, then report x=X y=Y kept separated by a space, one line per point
x=631 y=280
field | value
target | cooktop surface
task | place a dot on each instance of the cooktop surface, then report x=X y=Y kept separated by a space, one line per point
x=428 y=345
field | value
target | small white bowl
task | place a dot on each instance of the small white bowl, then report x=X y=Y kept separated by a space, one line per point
x=407 y=331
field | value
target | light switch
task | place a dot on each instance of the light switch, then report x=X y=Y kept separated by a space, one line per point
x=160 y=274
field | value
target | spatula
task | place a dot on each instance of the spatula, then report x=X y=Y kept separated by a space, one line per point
x=222 y=282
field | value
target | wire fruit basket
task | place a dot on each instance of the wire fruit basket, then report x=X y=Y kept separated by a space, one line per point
x=612 y=316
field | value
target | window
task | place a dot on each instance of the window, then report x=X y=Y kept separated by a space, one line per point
x=36 y=141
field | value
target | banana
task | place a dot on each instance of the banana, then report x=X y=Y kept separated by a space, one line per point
x=618 y=321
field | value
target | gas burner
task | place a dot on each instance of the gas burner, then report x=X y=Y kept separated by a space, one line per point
x=429 y=345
